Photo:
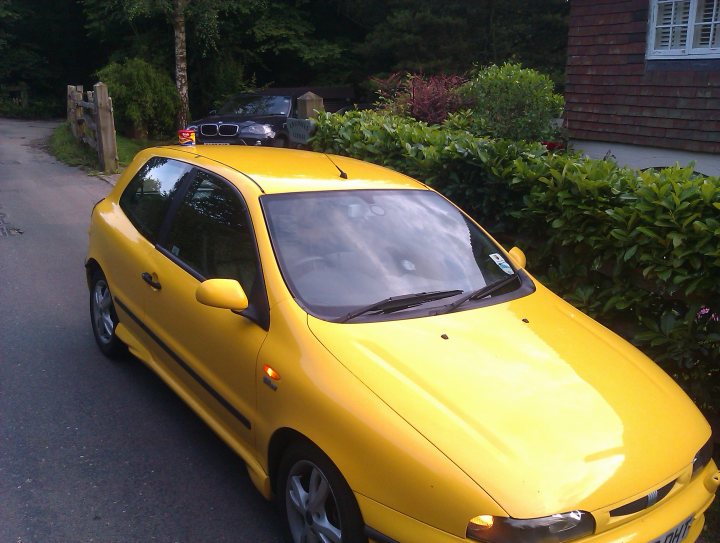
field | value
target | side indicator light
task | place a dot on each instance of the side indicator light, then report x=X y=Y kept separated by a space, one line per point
x=483 y=521
x=270 y=372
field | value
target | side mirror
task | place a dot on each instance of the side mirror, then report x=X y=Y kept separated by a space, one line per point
x=222 y=293
x=518 y=257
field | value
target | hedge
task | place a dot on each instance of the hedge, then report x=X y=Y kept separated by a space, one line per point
x=638 y=250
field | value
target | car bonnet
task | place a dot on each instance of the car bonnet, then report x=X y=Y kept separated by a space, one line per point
x=542 y=407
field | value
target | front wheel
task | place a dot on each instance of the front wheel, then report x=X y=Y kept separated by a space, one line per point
x=103 y=317
x=315 y=499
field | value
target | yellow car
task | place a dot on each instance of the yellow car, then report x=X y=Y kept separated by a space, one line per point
x=385 y=369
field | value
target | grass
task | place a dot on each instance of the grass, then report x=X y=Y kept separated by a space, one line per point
x=69 y=150
x=127 y=148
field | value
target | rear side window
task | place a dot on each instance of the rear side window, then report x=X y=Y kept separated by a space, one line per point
x=147 y=197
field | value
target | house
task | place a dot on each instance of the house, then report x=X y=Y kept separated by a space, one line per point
x=643 y=81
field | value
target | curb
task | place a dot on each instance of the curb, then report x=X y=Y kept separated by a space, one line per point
x=110 y=179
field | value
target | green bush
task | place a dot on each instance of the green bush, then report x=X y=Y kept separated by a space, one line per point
x=38 y=108
x=640 y=251
x=512 y=102
x=144 y=97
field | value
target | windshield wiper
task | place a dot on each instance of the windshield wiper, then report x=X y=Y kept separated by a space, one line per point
x=483 y=292
x=396 y=303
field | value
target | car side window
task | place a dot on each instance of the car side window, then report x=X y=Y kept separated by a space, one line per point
x=147 y=197
x=211 y=234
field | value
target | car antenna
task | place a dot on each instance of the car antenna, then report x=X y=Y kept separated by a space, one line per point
x=343 y=175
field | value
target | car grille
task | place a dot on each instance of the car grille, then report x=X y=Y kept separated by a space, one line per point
x=225 y=130
x=644 y=502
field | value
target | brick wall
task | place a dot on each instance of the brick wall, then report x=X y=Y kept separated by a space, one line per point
x=614 y=94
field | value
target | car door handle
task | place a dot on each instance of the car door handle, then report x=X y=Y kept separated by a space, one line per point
x=149 y=280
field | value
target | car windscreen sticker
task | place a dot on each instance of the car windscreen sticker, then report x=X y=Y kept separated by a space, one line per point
x=502 y=264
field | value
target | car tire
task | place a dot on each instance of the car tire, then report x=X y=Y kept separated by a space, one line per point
x=315 y=499
x=103 y=317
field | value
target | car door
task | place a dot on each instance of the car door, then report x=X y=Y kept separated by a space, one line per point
x=127 y=253
x=209 y=354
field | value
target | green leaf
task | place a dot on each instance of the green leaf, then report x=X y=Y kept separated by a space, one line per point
x=667 y=323
x=647 y=232
x=630 y=253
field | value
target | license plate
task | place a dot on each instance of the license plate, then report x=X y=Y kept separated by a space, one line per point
x=677 y=534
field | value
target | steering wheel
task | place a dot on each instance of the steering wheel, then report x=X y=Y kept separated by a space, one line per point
x=309 y=263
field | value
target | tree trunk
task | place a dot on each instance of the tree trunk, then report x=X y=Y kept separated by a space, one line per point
x=181 y=79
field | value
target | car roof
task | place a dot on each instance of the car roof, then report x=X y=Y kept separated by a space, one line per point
x=277 y=170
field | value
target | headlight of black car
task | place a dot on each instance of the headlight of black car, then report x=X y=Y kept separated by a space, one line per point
x=257 y=130
x=552 y=529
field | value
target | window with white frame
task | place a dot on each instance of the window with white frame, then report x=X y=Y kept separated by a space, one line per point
x=684 y=29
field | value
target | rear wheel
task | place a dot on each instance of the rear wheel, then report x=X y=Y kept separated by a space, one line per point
x=103 y=317
x=317 y=502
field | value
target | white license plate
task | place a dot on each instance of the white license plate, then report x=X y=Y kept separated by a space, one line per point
x=677 y=534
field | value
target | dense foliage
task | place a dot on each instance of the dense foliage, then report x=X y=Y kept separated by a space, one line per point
x=637 y=250
x=427 y=36
x=144 y=98
x=232 y=44
x=43 y=48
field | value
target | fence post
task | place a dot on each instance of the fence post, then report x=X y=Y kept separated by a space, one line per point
x=308 y=103
x=71 y=104
x=107 y=145
x=75 y=112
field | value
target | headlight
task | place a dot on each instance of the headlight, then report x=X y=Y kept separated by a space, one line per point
x=192 y=127
x=552 y=529
x=258 y=130
x=703 y=456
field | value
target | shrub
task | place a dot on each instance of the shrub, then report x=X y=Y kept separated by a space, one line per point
x=640 y=251
x=512 y=102
x=425 y=98
x=36 y=108
x=145 y=100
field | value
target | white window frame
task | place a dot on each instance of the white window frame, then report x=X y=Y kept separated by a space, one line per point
x=687 y=51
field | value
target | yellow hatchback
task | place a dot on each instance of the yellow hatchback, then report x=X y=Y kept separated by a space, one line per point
x=385 y=369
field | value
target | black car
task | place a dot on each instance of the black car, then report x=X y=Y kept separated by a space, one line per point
x=247 y=119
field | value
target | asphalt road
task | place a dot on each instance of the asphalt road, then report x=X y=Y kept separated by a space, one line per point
x=92 y=450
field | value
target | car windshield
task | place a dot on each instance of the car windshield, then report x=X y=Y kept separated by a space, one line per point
x=256 y=105
x=341 y=251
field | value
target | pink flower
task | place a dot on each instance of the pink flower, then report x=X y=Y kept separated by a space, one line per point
x=705 y=311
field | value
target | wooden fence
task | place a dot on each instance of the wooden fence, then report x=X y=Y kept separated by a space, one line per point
x=91 y=121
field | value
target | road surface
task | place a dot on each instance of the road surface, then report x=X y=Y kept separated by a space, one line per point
x=92 y=450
